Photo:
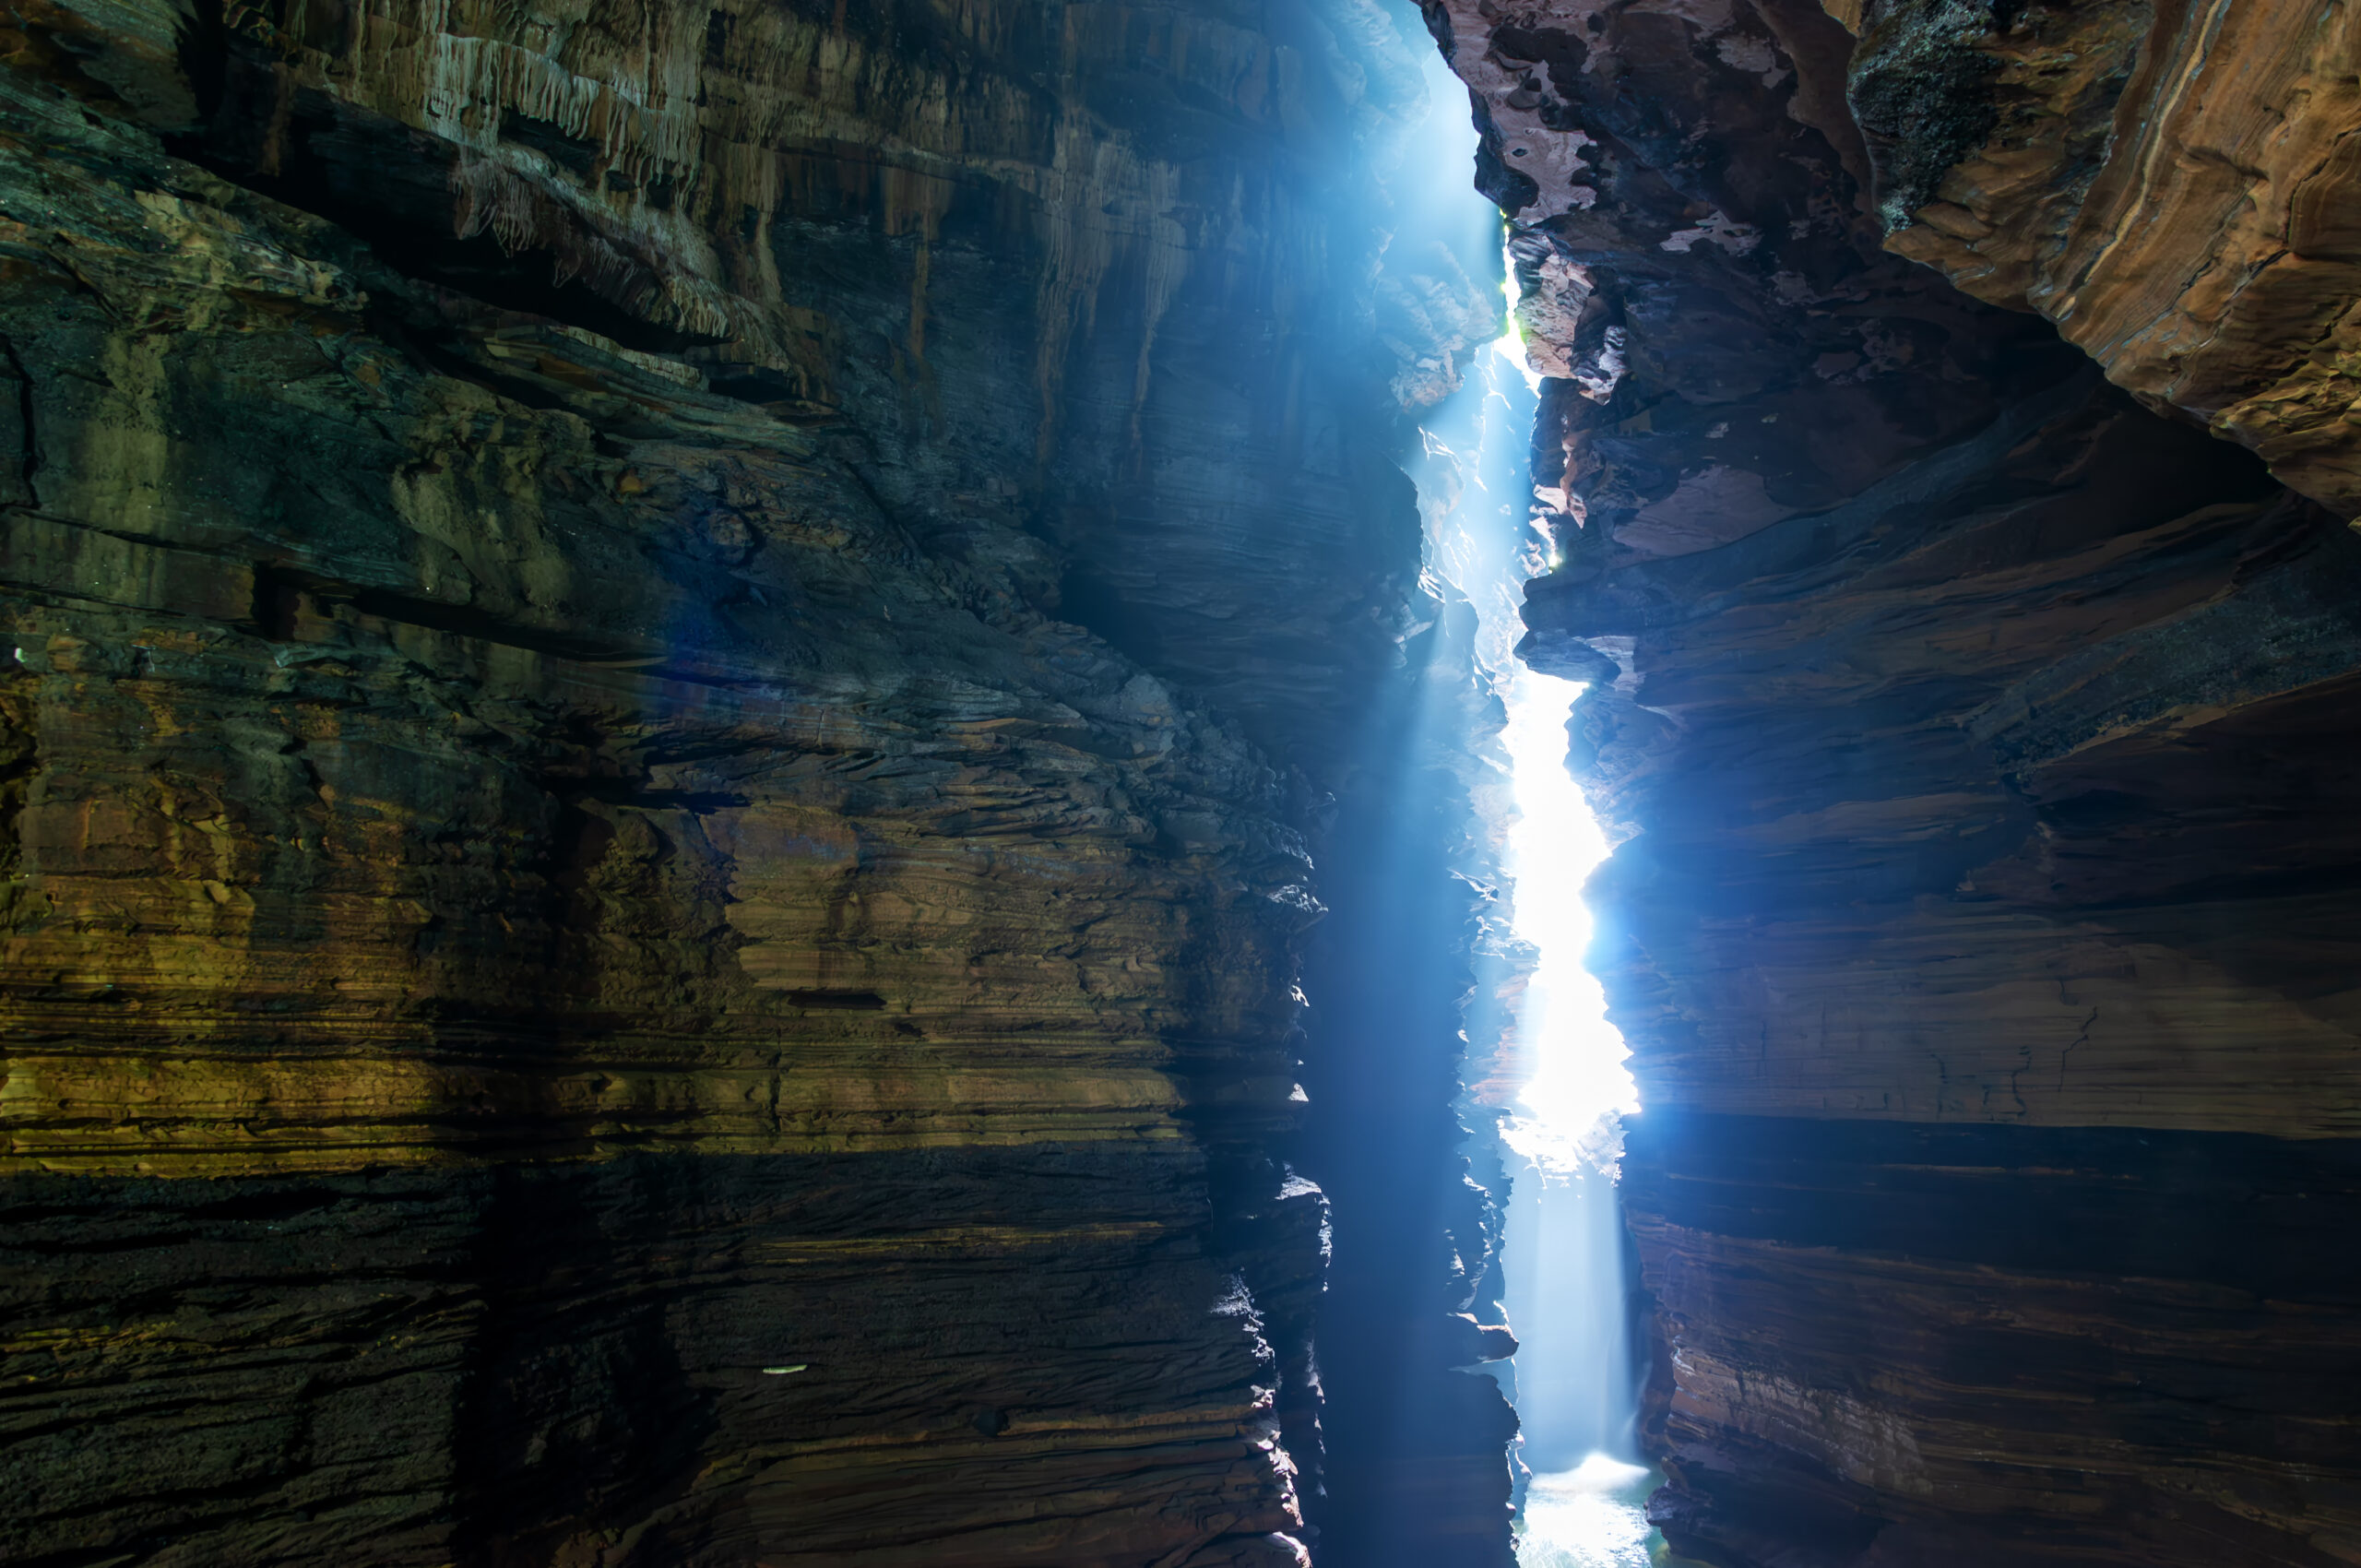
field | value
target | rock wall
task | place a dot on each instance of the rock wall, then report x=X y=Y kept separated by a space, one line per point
x=674 y=671
x=1983 y=920
x=2171 y=183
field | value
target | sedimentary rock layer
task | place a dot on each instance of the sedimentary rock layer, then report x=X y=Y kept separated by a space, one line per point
x=669 y=668
x=2158 y=1370
x=2173 y=184
x=1983 y=922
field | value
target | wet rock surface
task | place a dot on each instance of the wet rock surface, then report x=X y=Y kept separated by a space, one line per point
x=1982 y=925
x=676 y=678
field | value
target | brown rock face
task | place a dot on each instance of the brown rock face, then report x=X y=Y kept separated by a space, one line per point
x=669 y=666
x=2173 y=184
x=1984 y=928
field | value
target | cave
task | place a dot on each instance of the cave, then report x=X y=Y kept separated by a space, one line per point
x=1199 y=784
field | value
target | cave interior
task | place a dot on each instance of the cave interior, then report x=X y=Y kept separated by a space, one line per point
x=778 y=779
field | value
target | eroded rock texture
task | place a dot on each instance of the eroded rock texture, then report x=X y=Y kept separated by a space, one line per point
x=1985 y=930
x=2173 y=184
x=669 y=665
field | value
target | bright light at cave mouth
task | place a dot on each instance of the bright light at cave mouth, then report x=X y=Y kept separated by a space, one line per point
x=1572 y=1107
x=1563 y=1285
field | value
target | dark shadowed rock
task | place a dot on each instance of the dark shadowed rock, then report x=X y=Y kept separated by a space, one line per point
x=675 y=671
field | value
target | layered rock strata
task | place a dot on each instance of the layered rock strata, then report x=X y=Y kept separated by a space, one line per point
x=1983 y=922
x=2172 y=184
x=669 y=672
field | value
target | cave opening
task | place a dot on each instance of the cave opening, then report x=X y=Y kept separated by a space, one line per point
x=1563 y=1281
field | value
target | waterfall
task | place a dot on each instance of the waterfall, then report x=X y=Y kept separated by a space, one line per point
x=1576 y=1377
x=1568 y=1289
x=1575 y=1381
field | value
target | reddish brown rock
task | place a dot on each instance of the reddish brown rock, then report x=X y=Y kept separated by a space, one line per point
x=669 y=673
x=1983 y=919
x=2171 y=185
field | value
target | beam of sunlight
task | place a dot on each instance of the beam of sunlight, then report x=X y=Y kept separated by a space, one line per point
x=1574 y=1379
x=1579 y=1089
x=1577 y=1380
